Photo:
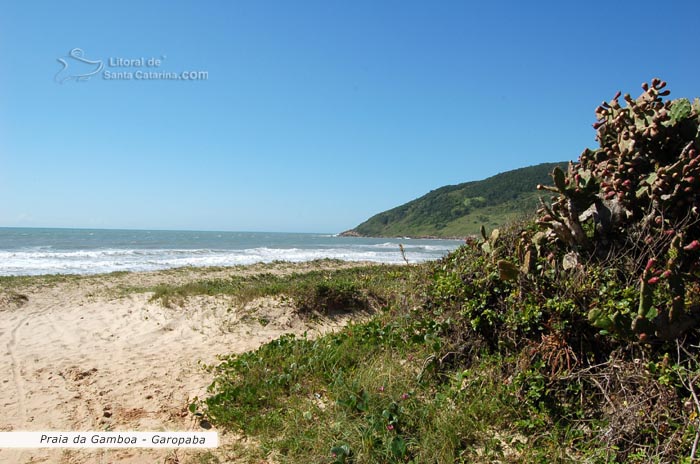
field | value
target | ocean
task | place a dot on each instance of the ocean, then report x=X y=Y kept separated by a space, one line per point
x=33 y=251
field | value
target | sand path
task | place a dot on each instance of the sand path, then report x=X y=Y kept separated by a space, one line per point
x=79 y=356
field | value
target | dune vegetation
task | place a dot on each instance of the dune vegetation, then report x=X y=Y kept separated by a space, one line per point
x=569 y=337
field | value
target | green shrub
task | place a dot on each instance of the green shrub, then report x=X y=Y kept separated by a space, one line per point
x=636 y=199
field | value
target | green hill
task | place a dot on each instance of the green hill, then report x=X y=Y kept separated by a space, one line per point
x=461 y=210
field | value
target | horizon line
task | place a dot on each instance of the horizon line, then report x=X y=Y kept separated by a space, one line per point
x=167 y=230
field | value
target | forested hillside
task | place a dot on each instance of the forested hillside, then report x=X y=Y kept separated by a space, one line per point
x=461 y=210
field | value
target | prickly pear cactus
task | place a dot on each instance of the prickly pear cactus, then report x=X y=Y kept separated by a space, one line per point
x=643 y=184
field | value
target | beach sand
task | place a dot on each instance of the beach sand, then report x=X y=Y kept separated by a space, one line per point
x=80 y=354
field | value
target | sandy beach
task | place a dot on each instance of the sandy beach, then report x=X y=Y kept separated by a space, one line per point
x=83 y=354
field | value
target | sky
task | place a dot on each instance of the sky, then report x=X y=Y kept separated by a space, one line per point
x=310 y=116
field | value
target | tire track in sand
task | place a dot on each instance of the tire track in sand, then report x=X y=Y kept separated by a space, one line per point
x=16 y=372
x=15 y=366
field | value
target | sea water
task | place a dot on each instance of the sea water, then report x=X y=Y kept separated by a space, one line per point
x=25 y=251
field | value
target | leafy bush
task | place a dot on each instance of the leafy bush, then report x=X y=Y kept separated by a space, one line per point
x=612 y=260
x=636 y=198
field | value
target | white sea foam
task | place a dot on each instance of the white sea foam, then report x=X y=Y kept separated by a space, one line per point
x=414 y=246
x=77 y=251
x=46 y=261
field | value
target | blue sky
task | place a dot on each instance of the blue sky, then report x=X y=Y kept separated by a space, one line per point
x=315 y=114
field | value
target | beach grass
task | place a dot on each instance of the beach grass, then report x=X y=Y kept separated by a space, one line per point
x=15 y=282
x=376 y=391
x=325 y=291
